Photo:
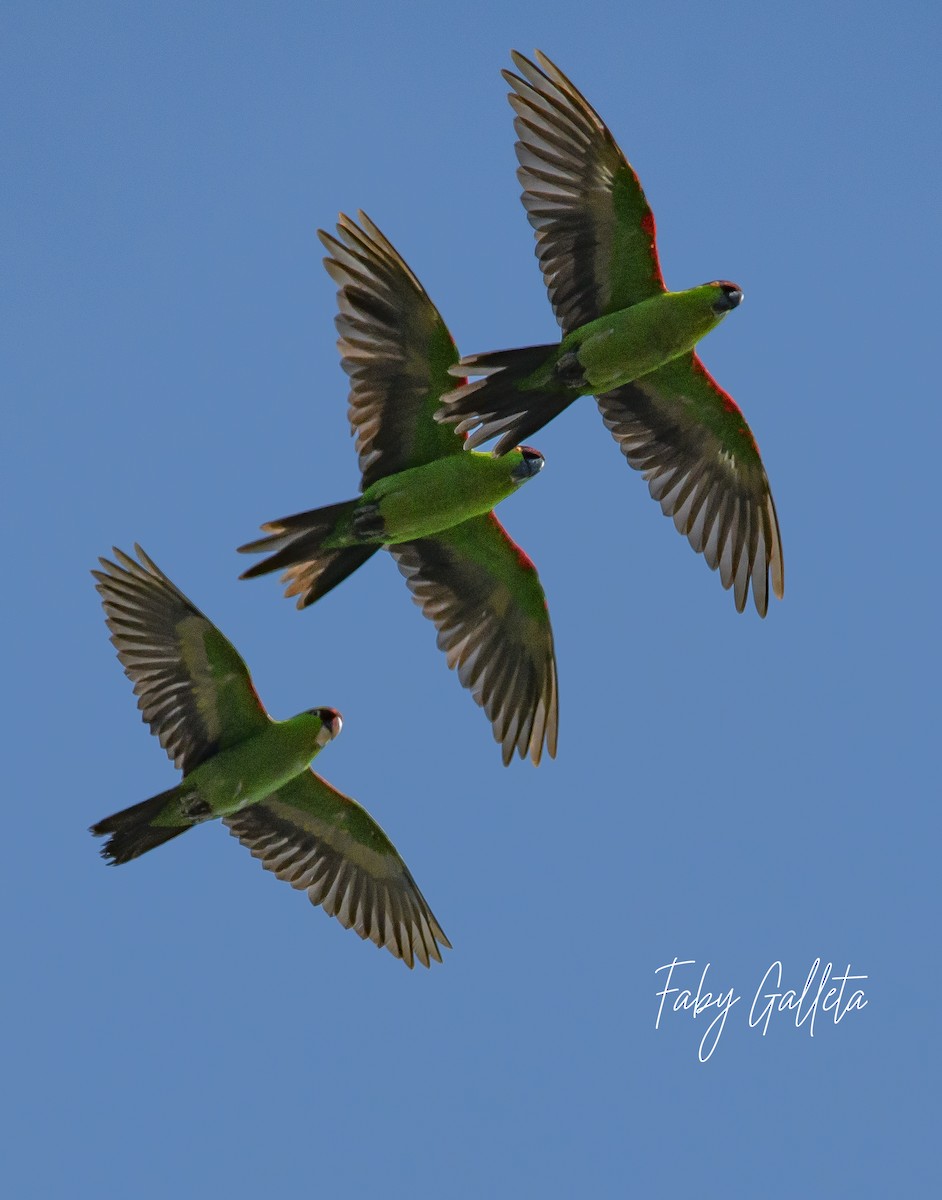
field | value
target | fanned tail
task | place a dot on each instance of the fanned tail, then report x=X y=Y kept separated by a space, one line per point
x=496 y=406
x=295 y=545
x=132 y=831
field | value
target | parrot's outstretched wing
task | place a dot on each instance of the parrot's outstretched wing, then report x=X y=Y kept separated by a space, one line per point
x=595 y=233
x=485 y=597
x=396 y=349
x=691 y=443
x=193 y=688
x=326 y=844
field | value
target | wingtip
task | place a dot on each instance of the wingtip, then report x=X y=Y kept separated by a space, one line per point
x=122 y=564
x=123 y=560
x=370 y=227
x=547 y=742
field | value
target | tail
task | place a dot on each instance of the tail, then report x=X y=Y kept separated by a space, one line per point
x=296 y=543
x=132 y=831
x=497 y=404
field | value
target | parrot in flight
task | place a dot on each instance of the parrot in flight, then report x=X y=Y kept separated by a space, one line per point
x=626 y=340
x=195 y=693
x=427 y=502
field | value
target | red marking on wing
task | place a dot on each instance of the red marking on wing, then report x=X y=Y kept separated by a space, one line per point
x=648 y=226
x=729 y=404
x=523 y=558
x=725 y=398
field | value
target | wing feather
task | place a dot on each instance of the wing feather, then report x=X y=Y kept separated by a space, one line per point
x=396 y=349
x=193 y=688
x=485 y=598
x=701 y=463
x=322 y=842
x=595 y=233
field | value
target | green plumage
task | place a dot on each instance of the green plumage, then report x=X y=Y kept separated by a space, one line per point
x=626 y=340
x=415 y=503
x=240 y=765
x=617 y=348
x=430 y=504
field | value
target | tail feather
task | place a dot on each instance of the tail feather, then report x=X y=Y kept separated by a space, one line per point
x=314 y=578
x=315 y=525
x=521 y=362
x=132 y=833
x=295 y=545
x=496 y=405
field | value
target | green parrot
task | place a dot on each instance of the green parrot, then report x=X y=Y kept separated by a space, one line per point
x=423 y=499
x=195 y=693
x=627 y=340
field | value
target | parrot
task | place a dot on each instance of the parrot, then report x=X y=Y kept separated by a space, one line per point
x=626 y=340
x=195 y=693
x=427 y=502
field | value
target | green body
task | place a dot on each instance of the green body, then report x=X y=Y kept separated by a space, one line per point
x=624 y=345
x=249 y=771
x=424 y=500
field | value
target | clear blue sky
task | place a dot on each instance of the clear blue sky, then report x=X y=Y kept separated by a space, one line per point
x=728 y=790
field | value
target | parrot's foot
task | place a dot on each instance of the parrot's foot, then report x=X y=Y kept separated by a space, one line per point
x=368 y=522
x=569 y=371
x=194 y=807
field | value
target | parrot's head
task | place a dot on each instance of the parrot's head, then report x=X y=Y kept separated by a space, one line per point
x=530 y=463
x=727 y=296
x=331 y=724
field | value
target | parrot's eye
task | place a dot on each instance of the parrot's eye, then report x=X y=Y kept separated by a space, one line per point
x=333 y=722
x=731 y=296
x=532 y=463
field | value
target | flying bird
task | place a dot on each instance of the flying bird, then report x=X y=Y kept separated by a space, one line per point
x=626 y=340
x=195 y=693
x=423 y=499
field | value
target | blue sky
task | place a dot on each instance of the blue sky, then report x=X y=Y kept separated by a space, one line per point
x=728 y=790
